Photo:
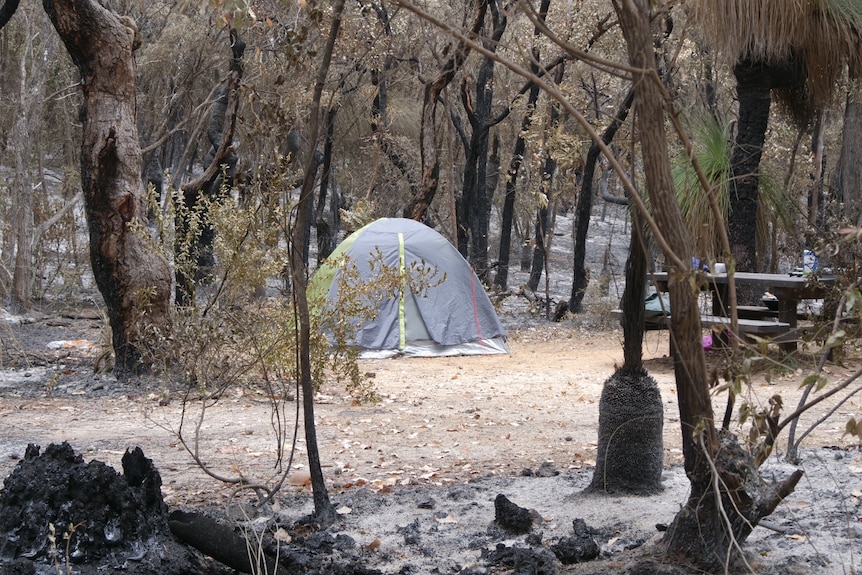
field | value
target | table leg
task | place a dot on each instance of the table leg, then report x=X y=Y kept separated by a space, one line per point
x=787 y=313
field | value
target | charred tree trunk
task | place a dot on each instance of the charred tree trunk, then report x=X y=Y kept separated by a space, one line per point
x=753 y=90
x=327 y=232
x=630 y=452
x=132 y=278
x=420 y=202
x=6 y=10
x=323 y=508
x=727 y=497
x=475 y=197
x=501 y=279
x=219 y=173
x=542 y=237
x=585 y=206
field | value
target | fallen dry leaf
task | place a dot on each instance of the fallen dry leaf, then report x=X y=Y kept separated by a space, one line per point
x=373 y=545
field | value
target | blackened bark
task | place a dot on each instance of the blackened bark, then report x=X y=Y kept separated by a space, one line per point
x=633 y=298
x=477 y=203
x=585 y=206
x=537 y=263
x=541 y=238
x=501 y=278
x=220 y=542
x=753 y=88
x=420 y=202
x=324 y=511
x=133 y=279
x=326 y=232
x=6 y=11
x=217 y=176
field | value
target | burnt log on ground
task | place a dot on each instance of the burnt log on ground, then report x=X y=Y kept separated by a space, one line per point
x=222 y=543
x=58 y=511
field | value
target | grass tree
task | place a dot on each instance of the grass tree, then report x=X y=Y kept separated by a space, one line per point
x=795 y=50
x=728 y=497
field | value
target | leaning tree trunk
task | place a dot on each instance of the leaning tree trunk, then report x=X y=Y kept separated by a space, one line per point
x=725 y=505
x=585 y=206
x=132 y=277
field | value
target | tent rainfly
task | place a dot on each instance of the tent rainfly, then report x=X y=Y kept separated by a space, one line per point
x=453 y=316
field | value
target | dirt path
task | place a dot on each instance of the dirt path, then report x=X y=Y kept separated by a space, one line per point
x=440 y=420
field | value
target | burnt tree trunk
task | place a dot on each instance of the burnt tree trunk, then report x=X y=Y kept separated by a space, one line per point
x=219 y=172
x=585 y=206
x=324 y=511
x=327 y=233
x=725 y=505
x=541 y=238
x=630 y=452
x=428 y=146
x=134 y=279
x=6 y=10
x=753 y=90
x=501 y=279
x=475 y=198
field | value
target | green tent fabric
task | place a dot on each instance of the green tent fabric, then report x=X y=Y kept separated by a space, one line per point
x=455 y=317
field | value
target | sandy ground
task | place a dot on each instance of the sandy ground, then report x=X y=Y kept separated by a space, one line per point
x=415 y=475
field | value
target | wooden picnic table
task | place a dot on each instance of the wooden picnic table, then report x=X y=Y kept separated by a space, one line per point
x=788 y=289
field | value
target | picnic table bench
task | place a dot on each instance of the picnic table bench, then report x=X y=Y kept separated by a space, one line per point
x=746 y=325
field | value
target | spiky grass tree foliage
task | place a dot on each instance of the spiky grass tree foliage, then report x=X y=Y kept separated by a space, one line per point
x=712 y=146
x=794 y=50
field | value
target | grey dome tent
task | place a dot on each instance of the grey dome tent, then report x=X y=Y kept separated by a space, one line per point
x=453 y=317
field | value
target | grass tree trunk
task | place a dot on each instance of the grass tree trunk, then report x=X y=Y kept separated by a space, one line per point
x=630 y=453
x=727 y=497
x=134 y=279
x=753 y=90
